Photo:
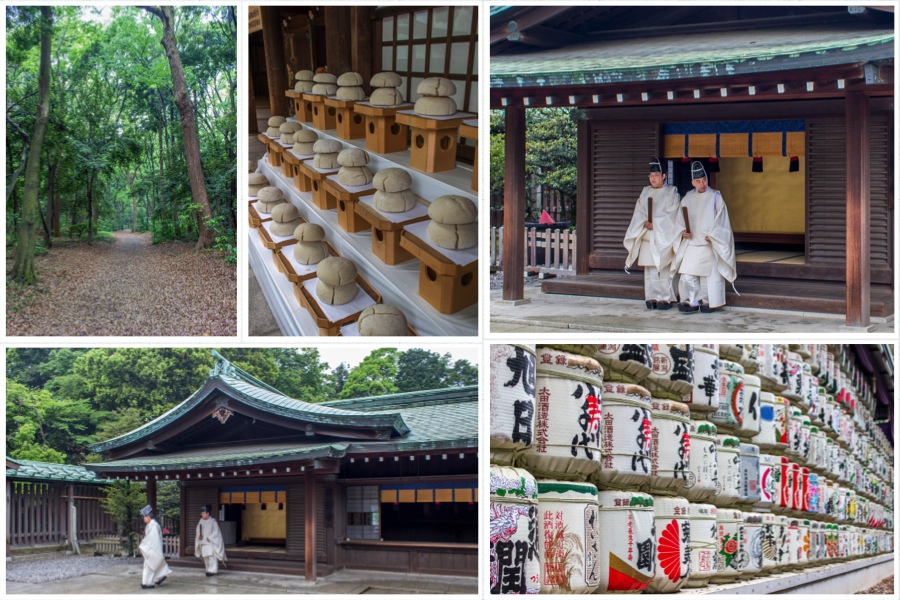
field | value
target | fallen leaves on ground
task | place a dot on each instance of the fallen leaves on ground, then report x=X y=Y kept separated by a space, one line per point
x=128 y=288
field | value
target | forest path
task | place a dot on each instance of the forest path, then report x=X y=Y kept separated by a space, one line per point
x=126 y=288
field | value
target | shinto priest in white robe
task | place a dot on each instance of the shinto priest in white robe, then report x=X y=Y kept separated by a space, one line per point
x=209 y=545
x=654 y=248
x=155 y=566
x=704 y=266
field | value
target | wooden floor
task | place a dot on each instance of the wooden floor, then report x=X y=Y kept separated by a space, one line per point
x=756 y=292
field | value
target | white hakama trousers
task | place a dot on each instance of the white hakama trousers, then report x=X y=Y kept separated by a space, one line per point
x=695 y=288
x=154 y=570
x=212 y=564
x=658 y=284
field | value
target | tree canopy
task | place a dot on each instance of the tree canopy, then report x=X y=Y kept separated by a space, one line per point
x=60 y=400
x=114 y=153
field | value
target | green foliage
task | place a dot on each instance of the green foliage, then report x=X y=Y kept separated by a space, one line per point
x=420 y=369
x=123 y=502
x=168 y=500
x=374 y=376
x=339 y=377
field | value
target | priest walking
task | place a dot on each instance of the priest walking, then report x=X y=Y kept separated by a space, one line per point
x=155 y=568
x=651 y=236
x=704 y=258
x=208 y=543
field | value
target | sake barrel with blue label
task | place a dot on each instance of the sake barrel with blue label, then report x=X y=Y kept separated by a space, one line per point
x=812 y=496
x=750 y=555
x=568 y=415
x=729 y=415
x=569 y=537
x=749 y=492
x=672 y=374
x=512 y=400
x=750 y=425
x=515 y=564
x=628 y=544
x=627 y=435
x=729 y=523
x=670 y=454
x=673 y=544
x=771 y=423
x=704 y=462
x=728 y=449
x=704 y=544
x=704 y=396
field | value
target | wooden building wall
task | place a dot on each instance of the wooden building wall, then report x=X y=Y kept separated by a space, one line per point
x=296 y=520
x=37 y=514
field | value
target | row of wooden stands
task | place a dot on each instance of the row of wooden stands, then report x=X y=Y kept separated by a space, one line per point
x=386 y=251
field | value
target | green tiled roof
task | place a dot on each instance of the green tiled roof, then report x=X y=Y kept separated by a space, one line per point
x=261 y=396
x=705 y=54
x=41 y=471
x=244 y=456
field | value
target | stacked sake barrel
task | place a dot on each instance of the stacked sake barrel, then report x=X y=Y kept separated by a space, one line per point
x=651 y=467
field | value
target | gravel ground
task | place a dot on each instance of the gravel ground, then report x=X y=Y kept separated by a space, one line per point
x=40 y=568
x=886 y=586
x=497 y=280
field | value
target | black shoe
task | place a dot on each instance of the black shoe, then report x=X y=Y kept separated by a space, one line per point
x=164 y=577
x=651 y=304
x=706 y=308
x=687 y=308
x=663 y=305
x=147 y=587
x=210 y=574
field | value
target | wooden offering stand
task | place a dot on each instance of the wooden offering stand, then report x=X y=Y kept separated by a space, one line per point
x=383 y=133
x=345 y=200
x=326 y=326
x=302 y=107
x=386 y=234
x=432 y=140
x=314 y=179
x=270 y=243
x=284 y=264
x=254 y=217
x=469 y=130
x=291 y=168
x=409 y=331
x=273 y=147
x=323 y=117
x=446 y=286
x=350 y=125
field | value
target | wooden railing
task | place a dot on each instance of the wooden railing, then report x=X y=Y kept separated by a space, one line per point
x=171 y=545
x=546 y=251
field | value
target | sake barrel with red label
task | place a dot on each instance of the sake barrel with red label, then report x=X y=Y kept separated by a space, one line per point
x=512 y=400
x=831 y=541
x=810 y=395
x=843 y=542
x=750 y=554
x=670 y=451
x=786 y=478
x=749 y=492
x=769 y=482
x=704 y=462
x=515 y=567
x=771 y=368
x=567 y=422
x=628 y=545
x=729 y=416
x=627 y=435
x=704 y=544
x=793 y=541
x=729 y=523
x=728 y=449
x=673 y=544
x=704 y=396
x=635 y=361
x=781 y=408
x=672 y=374
x=750 y=425
x=568 y=536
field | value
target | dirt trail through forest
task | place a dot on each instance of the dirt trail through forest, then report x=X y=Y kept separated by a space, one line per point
x=129 y=287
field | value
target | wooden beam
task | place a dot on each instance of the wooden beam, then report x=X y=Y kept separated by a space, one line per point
x=151 y=493
x=514 y=206
x=252 y=123
x=583 y=202
x=858 y=276
x=338 y=41
x=276 y=73
x=362 y=47
x=182 y=523
x=309 y=510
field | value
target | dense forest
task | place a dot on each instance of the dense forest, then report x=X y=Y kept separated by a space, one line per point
x=59 y=401
x=121 y=128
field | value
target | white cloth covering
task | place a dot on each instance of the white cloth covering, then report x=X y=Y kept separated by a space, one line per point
x=712 y=261
x=155 y=566
x=653 y=247
x=209 y=545
x=658 y=284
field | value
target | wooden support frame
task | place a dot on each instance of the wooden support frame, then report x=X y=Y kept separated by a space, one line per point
x=309 y=490
x=273 y=41
x=858 y=263
x=514 y=206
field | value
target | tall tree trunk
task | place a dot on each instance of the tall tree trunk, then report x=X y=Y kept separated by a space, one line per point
x=90 y=209
x=51 y=172
x=23 y=269
x=57 y=208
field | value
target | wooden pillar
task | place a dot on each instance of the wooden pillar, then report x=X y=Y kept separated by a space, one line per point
x=182 y=524
x=858 y=275
x=514 y=206
x=309 y=509
x=8 y=499
x=276 y=74
x=583 y=207
x=151 y=495
x=253 y=125
x=361 y=50
x=338 y=40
